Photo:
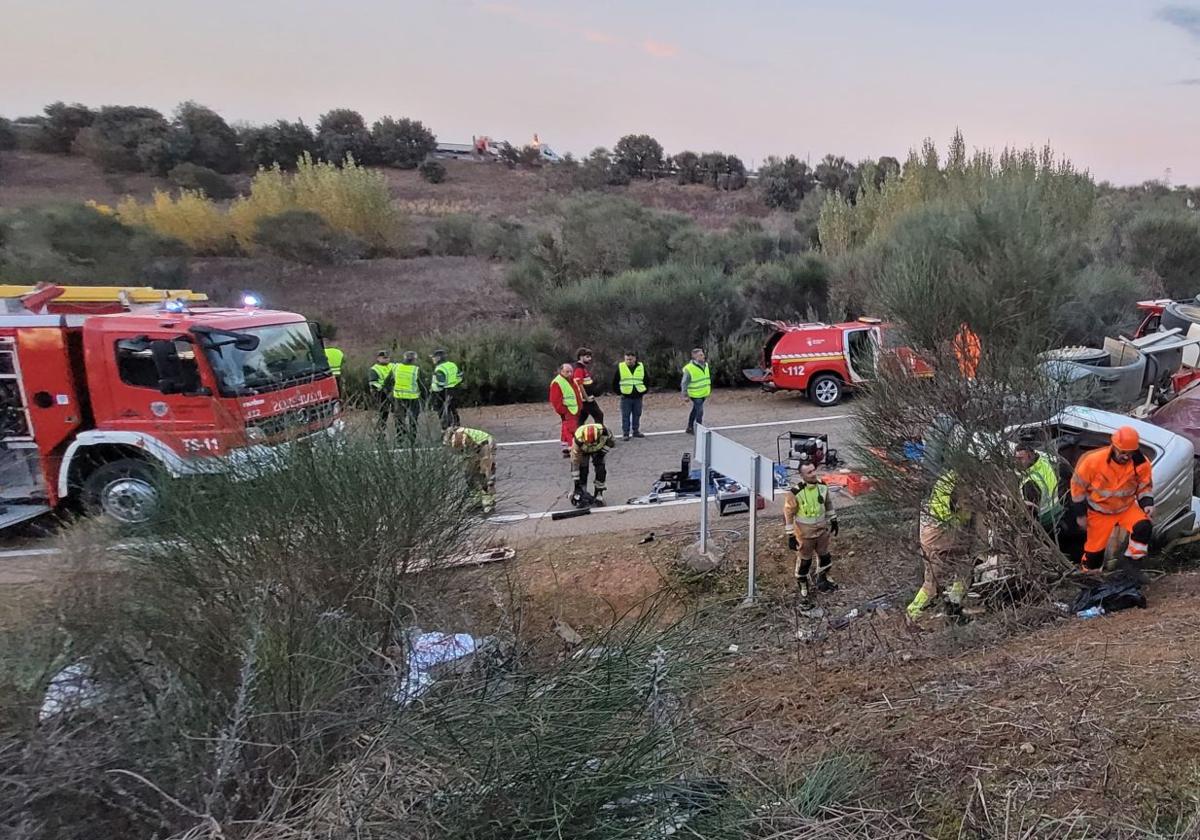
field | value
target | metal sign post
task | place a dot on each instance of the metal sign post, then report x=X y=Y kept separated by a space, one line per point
x=706 y=455
x=749 y=469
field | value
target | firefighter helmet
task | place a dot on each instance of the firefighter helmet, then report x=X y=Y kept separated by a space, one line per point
x=588 y=435
x=1126 y=439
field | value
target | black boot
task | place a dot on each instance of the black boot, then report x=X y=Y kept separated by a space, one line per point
x=824 y=584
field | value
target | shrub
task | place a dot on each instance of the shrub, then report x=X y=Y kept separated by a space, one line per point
x=402 y=143
x=282 y=143
x=662 y=311
x=639 y=155
x=189 y=217
x=504 y=362
x=785 y=183
x=305 y=237
x=189 y=176
x=352 y=199
x=687 y=168
x=61 y=126
x=342 y=133
x=433 y=172
x=1168 y=245
x=746 y=244
x=468 y=235
x=8 y=138
x=796 y=288
x=127 y=139
x=205 y=139
x=82 y=245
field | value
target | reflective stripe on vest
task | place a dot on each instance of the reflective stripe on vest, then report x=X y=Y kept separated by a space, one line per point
x=632 y=380
x=453 y=377
x=1043 y=475
x=1110 y=487
x=699 y=381
x=334 y=357
x=381 y=375
x=810 y=501
x=407 y=385
x=568 y=393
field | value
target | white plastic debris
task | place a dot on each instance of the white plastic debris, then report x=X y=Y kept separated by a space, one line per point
x=72 y=688
x=427 y=652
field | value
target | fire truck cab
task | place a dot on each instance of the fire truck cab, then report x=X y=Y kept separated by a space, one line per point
x=823 y=360
x=105 y=390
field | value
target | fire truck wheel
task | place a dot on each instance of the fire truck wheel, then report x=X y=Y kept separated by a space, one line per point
x=825 y=390
x=122 y=490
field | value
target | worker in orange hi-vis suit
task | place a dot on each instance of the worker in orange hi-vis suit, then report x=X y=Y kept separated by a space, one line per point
x=1112 y=486
x=967 y=350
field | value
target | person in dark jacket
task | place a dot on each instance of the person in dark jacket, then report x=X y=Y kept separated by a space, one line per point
x=582 y=375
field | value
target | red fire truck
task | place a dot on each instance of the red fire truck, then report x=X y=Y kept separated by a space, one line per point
x=106 y=389
x=824 y=359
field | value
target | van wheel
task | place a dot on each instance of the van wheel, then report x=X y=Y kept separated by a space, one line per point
x=122 y=490
x=825 y=390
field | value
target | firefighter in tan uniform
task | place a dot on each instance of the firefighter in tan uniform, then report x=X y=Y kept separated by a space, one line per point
x=478 y=450
x=809 y=521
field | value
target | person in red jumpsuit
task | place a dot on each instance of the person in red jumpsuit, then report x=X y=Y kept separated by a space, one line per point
x=566 y=398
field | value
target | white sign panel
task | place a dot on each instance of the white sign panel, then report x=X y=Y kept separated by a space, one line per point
x=736 y=461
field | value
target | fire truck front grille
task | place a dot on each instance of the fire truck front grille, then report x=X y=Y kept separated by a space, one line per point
x=296 y=419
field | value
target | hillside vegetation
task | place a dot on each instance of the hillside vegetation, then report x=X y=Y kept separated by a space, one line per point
x=625 y=249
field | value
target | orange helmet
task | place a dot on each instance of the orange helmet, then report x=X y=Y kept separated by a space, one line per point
x=1126 y=439
x=588 y=435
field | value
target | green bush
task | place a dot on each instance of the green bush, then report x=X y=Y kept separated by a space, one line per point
x=432 y=171
x=598 y=235
x=76 y=244
x=639 y=155
x=342 y=133
x=282 y=143
x=795 y=289
x=189 y=176
x=403 y=143
x=467 y=235
x=1168 y=245
x=128 y=139
x=785 y=183
x=205 y=139
x=8 y=138
x=662 y=312
x=305 y=237
x=61 y=126
x=747 y=243
x=505 y=362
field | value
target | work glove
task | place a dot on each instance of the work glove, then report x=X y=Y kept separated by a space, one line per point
x=833 y=526
x=793 y=544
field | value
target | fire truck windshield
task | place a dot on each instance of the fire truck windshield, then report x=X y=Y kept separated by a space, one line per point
x=285 y=354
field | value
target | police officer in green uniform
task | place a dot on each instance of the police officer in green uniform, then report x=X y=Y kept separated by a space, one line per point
x=443 y=389
x=379 y=384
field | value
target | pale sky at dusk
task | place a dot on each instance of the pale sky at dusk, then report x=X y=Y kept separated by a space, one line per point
x=1114 y=84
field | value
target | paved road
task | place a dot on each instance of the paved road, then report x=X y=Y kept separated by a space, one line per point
x=533 y=478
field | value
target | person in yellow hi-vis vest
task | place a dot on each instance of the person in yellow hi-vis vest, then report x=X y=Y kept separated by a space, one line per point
x=478 y=449
x=629 y=380
x=809 y=520
x=379 y=384
x=406 y=390
x=696 y=385
x=945 y=543
x=443 y=388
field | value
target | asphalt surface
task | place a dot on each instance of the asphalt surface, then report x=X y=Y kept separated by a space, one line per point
x=533 y=479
